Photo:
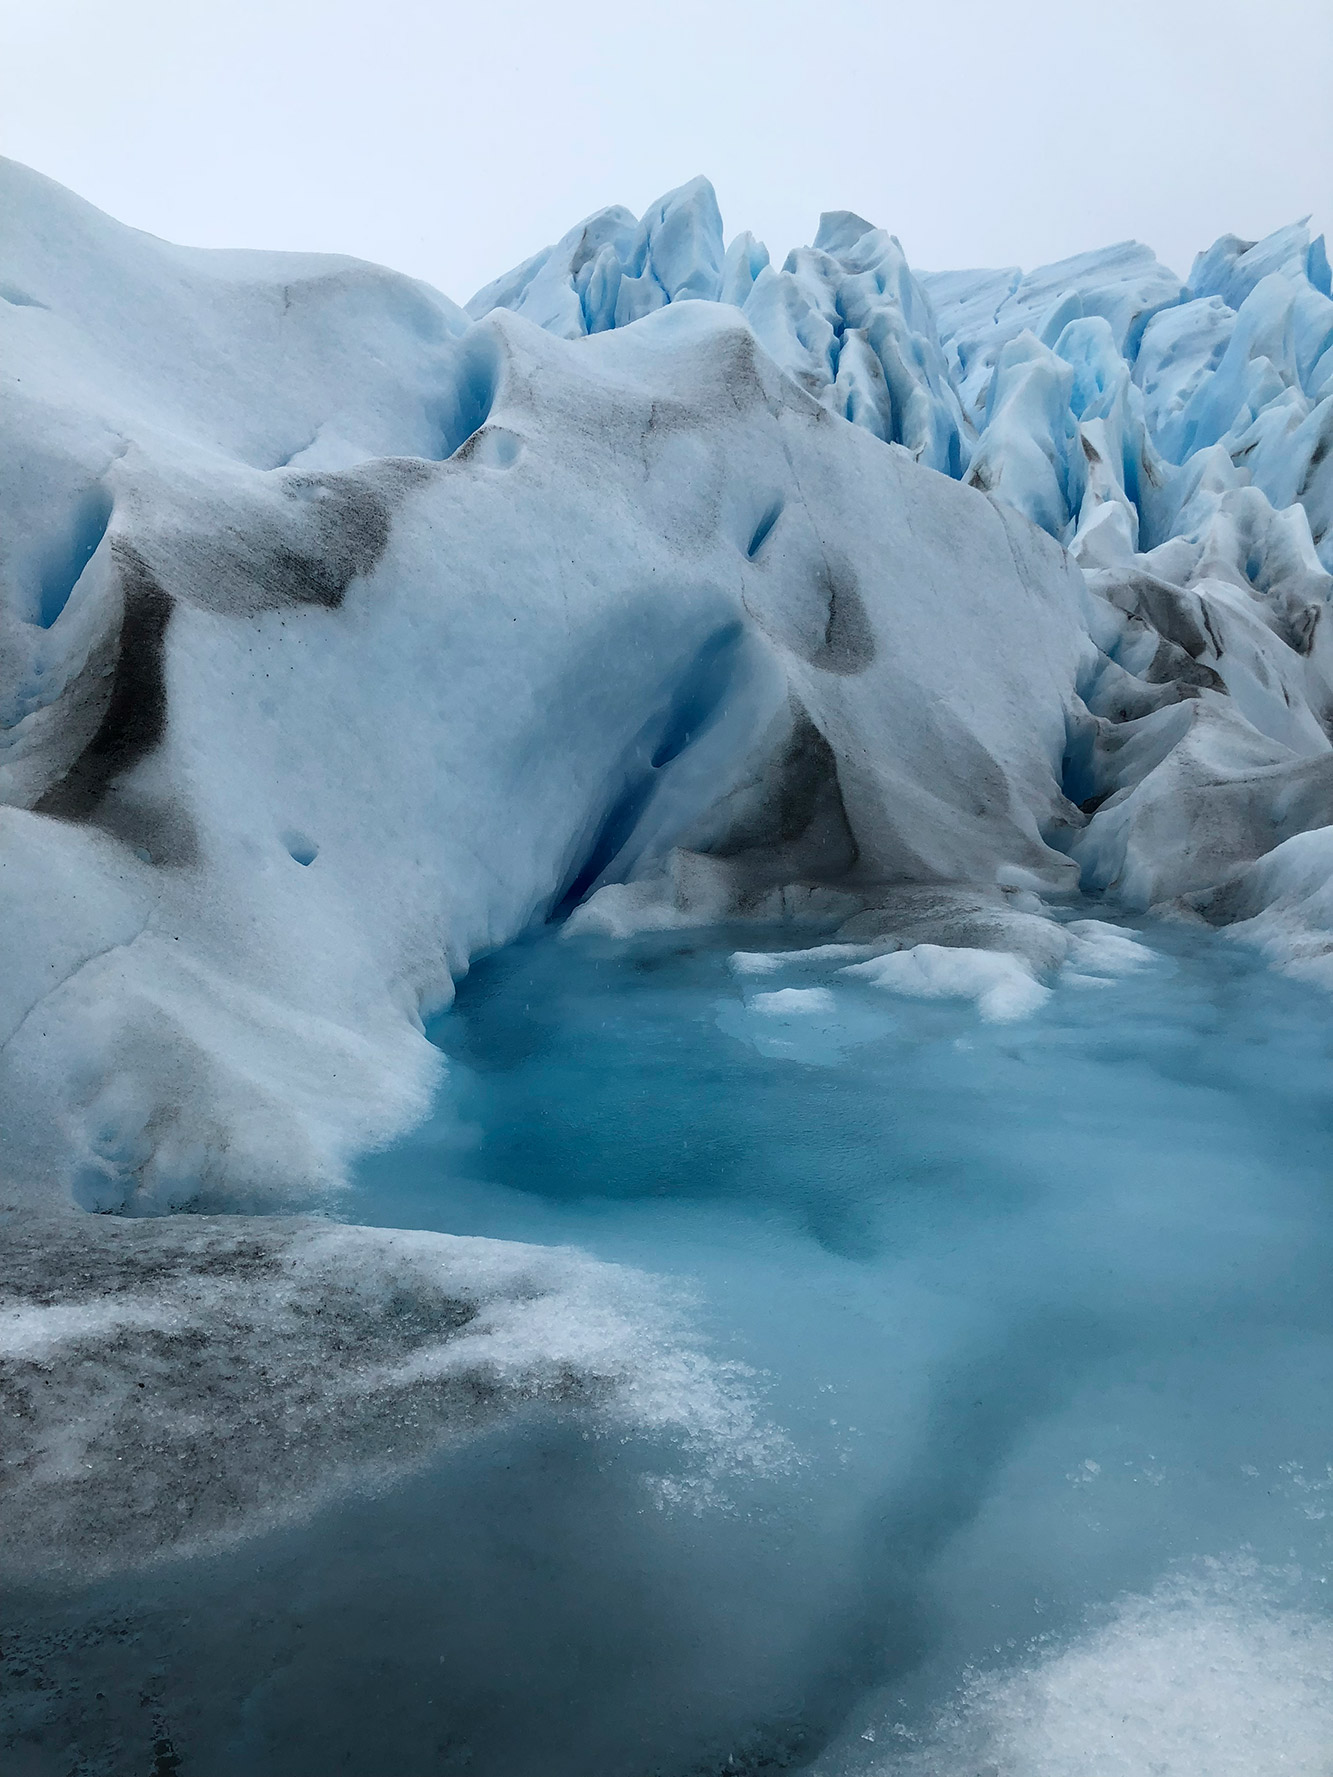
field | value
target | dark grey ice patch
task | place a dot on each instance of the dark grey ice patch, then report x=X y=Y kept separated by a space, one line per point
x=799 y=831
x=848 y=645
x=370 y=1641
x=1173 y=665
x=1178 y=616
x=172 y=1381
x=303 y=541
x=350 y=514
x=135 y=718
x=341 y=524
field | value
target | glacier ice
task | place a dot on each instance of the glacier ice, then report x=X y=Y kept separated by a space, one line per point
x=849 y=623
x=288 y=528
x=178 y=1383
x=787 y=710
x=1002 y=986
x=1212 y=1672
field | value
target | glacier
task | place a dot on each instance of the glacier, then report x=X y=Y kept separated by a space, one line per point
x=894 y=668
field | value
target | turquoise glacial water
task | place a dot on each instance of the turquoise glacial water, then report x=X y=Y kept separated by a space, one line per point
x=1044 y=1309
x=1035 y=1320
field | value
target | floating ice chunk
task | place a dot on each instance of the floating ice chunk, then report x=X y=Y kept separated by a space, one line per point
x=756 y=962
x=788 y=1002
x=1203 y=1677
x=1098 y=949
x=1002 y=985
x=623 y=909
x=768 y=962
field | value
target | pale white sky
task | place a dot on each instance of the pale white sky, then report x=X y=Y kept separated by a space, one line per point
x=451 y=141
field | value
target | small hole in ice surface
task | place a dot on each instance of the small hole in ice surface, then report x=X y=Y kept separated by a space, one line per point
x=20 y=299
x=493 y=447
x=300 y=848
x=762 y=529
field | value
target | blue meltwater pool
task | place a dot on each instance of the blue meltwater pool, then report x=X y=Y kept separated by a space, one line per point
x=1036 y=1316
x=981 y=1376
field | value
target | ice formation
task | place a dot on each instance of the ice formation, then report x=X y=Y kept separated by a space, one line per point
x=1212 y=1672
x=345 y=634
x=316 y=723
x=310 y=576
x=172 y=1384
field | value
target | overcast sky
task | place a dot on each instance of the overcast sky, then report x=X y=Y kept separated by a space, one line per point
x=453 y=141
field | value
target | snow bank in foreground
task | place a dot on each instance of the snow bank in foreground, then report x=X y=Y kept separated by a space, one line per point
x=179 y=1380
x=1207 y=1676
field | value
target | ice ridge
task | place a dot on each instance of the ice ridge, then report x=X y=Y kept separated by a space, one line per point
x=344 y=633
x=1079 y=393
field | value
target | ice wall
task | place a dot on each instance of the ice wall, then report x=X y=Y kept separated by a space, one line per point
x=345 y=633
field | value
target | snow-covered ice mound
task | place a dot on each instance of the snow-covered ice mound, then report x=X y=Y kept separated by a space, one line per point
x=345 y=634
x=1213 y=1674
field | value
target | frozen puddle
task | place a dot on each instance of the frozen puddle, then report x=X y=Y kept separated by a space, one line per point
x=1009 y=1363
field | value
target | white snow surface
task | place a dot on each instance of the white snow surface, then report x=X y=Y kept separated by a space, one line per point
x=1212 y=1674
x=344 y=633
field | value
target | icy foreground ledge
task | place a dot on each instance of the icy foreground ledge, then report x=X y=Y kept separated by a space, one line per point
x=174 y=1382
